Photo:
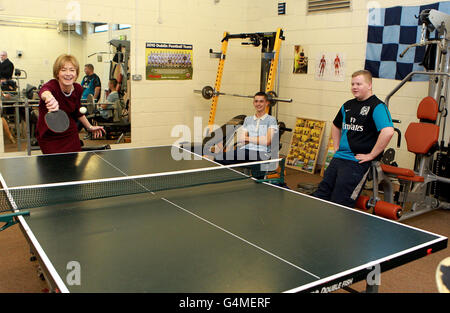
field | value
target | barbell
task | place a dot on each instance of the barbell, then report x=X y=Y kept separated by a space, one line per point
x=208 y=92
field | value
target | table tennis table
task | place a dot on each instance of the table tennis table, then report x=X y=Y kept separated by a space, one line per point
x=230 y=237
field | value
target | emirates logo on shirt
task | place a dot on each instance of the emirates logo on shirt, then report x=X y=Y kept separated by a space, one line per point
x=352 y=126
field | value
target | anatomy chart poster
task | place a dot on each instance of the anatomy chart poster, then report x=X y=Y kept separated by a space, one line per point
x=330 y=66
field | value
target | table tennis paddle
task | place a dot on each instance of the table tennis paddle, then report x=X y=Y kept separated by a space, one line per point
x=57 y=121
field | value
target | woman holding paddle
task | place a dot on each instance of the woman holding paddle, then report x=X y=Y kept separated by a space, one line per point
x=59 y=109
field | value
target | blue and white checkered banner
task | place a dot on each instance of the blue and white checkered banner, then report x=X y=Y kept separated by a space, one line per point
x=390 y=32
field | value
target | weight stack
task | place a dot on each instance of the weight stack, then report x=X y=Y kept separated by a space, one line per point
x=441 y=168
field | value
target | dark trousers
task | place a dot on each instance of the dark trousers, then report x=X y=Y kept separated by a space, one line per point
x=243 y=156
x=240 y=156
x=343 y=181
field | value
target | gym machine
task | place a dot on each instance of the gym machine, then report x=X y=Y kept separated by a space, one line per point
x=120 y=126
x=270 y=43
x=427 y=186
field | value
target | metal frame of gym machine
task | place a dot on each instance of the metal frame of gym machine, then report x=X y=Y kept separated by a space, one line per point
x=427 y=195
x=270 y=43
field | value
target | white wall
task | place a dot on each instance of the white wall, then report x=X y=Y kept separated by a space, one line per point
x=38 y=55
x=159 y=105
x=344 y=32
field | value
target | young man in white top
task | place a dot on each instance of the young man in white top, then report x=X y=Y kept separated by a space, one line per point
x=259 y=137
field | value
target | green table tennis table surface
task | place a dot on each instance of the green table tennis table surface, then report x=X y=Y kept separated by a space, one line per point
x=229 y=237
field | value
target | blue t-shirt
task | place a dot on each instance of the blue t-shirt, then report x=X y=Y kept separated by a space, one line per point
x=258 y=127
x=89 y=83
x=360 y=123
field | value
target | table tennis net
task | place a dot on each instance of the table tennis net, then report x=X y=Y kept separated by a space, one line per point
x=27 y=197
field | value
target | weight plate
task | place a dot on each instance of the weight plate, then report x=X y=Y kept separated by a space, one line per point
x=208 y=92
x=272 y=96
x=388 y=156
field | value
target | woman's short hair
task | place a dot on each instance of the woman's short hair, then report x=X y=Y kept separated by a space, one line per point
x=62 y=60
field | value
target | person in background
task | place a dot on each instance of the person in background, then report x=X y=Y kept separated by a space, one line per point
x=6 y=66
x=106 y=109
x=361 y=131
x=258 y=138
x=91 y=83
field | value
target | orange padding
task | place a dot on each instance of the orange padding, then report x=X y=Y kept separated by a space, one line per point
x=402 y=173
x=417 y=179
x=277 y=174
x=397 y=170
x=388 y=210
x=420 y=137
x=361 y=203
x=428 y=109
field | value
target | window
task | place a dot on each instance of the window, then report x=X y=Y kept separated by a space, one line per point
x=124 y=26
x=98 y=28
x=315 y=6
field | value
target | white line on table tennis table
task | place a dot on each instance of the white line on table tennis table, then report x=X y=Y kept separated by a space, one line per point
x=240 y=238
x=40 y=251
x=367 y=266
x=123 y=173
x=218 y=227
x=321 y=280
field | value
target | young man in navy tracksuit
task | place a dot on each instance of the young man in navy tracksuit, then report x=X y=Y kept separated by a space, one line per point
x=361 y=131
